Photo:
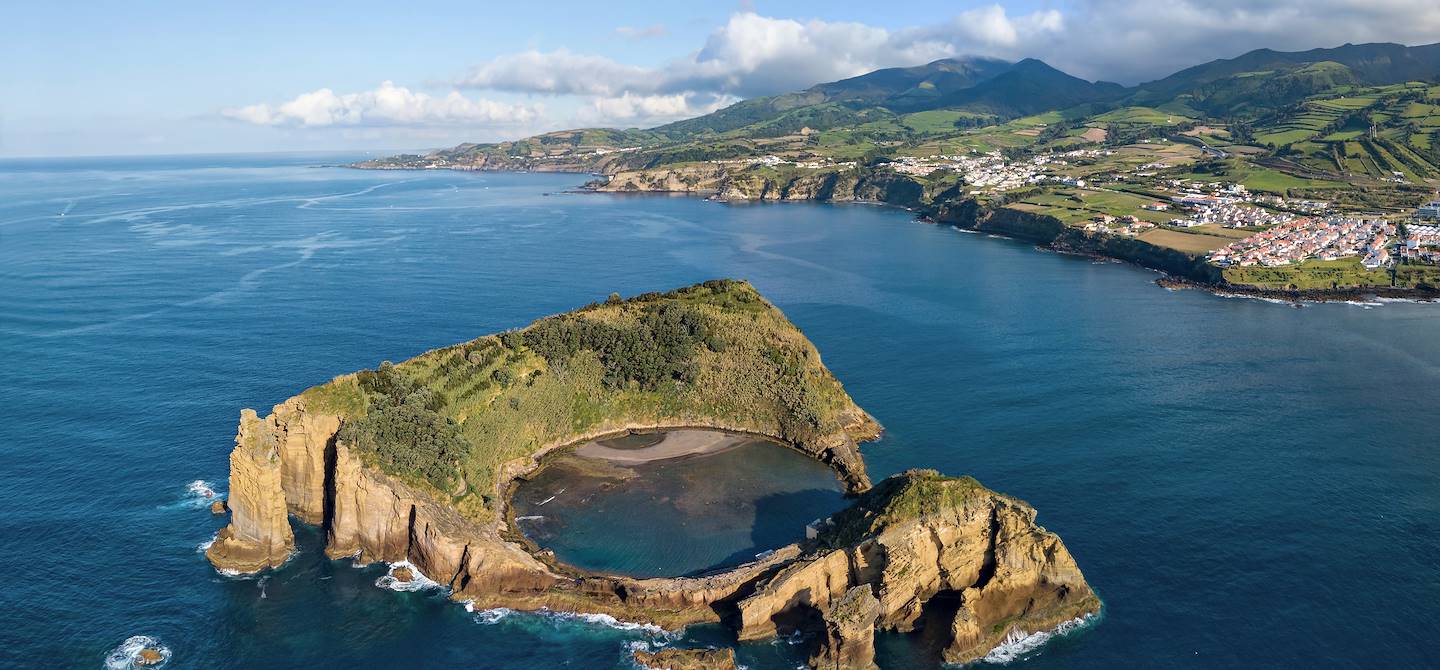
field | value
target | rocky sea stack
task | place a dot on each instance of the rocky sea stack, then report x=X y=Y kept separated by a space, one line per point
x=414 y=462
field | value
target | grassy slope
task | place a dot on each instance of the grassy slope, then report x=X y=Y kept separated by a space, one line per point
x=767 y=377
x=1310 y=275
x=1314 y=130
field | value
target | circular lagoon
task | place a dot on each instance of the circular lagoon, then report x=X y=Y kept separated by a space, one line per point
x=673 y=503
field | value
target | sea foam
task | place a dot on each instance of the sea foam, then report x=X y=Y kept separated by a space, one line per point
x=418 y=581
x=1019 y=644
x=497 y=614
x=124 y=657
x=198 y=495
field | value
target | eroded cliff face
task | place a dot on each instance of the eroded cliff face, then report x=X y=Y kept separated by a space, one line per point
x=278 y=467
x=378 y=518
x=686 y=659
x=849 y=636
x=740 y=183
x=259 y=534
x=918 y=543
x=303 y=439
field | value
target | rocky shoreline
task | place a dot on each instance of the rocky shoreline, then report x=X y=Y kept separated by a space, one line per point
x=913 y=545
x=1180 y=269
x=965 y=542
x=1356 y=295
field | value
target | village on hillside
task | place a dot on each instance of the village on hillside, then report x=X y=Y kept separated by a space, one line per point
x=1376 y=241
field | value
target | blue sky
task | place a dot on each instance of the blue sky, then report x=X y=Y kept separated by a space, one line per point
x=107 y=78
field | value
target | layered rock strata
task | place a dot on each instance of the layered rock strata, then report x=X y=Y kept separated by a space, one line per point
x=849 y=642
x=917 y=543
x=918 y=550
x=686 y=659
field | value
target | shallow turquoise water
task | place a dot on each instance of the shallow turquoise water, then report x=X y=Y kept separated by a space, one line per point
x=1246 y=484
x=679 y=516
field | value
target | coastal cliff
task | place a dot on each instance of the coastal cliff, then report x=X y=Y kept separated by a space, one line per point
x=737 y=184
x=364 y=453
x=259 y=534
x=405 y=464
x=930 y=550
x=1049 y=231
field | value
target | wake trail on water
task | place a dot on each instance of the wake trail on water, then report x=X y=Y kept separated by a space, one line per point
x=306 y=247
x=306 y=202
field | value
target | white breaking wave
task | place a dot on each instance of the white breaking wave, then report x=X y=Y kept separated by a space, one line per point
x=205 y=546
x=498 y=614
x=418 y=581
x=124 y=657
x=792 y=639
x=490 y=616
x=1019 y=644
x=261 y=575
x=605 y=620
x=1261 y=298
x=199 y=494
x=533 y=517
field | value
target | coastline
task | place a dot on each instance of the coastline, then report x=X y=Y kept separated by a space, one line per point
x=879 y=554
x=1344 y=295
x=1179 y=270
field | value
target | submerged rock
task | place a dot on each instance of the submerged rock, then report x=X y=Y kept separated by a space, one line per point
x=687 y=659
x=149 y=656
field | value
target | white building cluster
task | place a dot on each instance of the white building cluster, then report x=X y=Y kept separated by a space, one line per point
x=775 y=161
x=1302 y=239
x=991 y=172
x=1129 y=226
x=1295 y=204
x=1232 y=215
x=1422 y=242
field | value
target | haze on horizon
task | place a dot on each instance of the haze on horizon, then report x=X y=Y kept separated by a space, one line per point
x=171 y=78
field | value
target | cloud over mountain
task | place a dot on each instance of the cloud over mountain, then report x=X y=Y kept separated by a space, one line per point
x=751 y=55
x=1098 y=39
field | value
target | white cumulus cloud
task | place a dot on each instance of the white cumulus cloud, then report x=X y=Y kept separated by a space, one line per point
x=387 y=105
x=630 y=109
x=751 y=54
x=757 y=55
x=558 y=72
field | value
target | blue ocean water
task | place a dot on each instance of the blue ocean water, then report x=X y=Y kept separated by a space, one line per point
x=1246 y=484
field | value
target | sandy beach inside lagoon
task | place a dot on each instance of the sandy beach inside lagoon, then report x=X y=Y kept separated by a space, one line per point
x=648 y=447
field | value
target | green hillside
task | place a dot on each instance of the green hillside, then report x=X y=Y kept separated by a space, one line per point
x=1355 y=128
x=714 y=353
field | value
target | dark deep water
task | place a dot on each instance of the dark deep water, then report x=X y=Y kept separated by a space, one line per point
x=1245 y=484
x=678 y=516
